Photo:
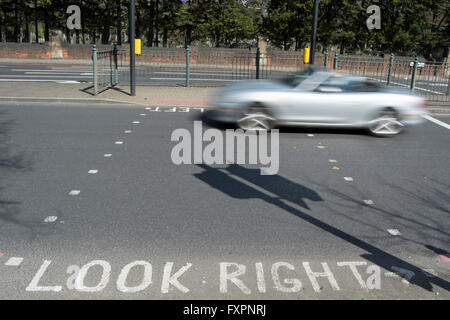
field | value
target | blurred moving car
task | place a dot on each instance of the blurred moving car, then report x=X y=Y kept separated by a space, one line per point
x=318 y=97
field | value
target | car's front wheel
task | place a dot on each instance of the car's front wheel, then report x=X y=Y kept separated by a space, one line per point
x=385 y=123
x=256 y=117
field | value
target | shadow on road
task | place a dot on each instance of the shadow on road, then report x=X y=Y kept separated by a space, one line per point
x=242 y=183
x=12 y=162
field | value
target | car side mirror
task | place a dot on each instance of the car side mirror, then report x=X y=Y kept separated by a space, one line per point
x=329 y=89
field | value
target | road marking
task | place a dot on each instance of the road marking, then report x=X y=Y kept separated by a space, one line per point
x=320 y=147
x=369 y=202
x=310 y=135
x=92 y=171
x=332 y=161
x=51 y=219
x=394 y=232
x=136 y=122
x=398 y=272
x=118 y=142
x=156 y=109
x=127 y=131
x=445 y=257
x=14 y=261
x=107 y=155
x=348 y=178
x=74 y=192
x=443 y=124
x=143 y=114
x=39 y=80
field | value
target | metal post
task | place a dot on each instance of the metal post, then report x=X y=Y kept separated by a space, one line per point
x=95 y=71
x=325 y=62
x=413 y=79
x=314 y=33
x=116 y=66
x=335 y=65
x=391 y=62
x=187 y=67
x=132 y=55
x=258 y=56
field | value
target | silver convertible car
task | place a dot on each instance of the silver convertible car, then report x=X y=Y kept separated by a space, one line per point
x=318 y=97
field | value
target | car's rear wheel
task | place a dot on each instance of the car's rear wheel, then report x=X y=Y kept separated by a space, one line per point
x=385 y=123
x=257 y=117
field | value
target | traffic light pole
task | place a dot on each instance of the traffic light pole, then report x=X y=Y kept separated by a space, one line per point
x=314 y=32
x=132 y=55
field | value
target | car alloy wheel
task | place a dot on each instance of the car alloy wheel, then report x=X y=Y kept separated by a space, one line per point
x=386 y=123
x=256 y=118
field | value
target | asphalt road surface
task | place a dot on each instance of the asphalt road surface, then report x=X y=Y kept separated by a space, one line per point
x=92 y=207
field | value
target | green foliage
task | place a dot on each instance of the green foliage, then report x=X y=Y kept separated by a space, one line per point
x=408 y=27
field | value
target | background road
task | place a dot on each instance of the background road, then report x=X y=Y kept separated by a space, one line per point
x=134 y=204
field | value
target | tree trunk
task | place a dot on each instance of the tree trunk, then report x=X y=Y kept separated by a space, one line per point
x=119 y=22
x=16 y=22
x=27 y=27
x=150 y=34
x=156 y=23
x=36 y=29
x=47 y=27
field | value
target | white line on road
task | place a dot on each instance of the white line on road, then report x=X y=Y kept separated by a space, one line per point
x=118 y=142
x=39 y=80
x=51 y=219
x=192 y=79
x=394 y=232
x=107 y=155
x=443 y=124
x=127 y=131
x=92 y=171
x=74 y=192
x=348 y=178
x=333 y=161
x=14 y=261
x=136 y=122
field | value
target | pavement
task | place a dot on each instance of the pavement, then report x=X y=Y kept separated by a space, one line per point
x=93 y=207
x=83 y=93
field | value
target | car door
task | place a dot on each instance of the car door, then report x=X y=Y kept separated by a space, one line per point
x=322 y=100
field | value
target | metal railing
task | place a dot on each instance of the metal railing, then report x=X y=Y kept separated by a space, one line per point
x=209 y=67
x=106 y=68
x=431 y=80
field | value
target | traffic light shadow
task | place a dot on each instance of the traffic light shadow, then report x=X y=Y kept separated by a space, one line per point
x=242 y=183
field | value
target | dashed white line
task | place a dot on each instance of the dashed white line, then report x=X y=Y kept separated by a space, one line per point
x=14 y=261
x=320 y=147
x=332 y=161
x=127 y=131
x=107 y=155
x=118 y=142
x=136 y=122
x=394 y=232
x=93 y=171
x=310 y=135
x=51 y=219
x=348 y=178
x=74 y=192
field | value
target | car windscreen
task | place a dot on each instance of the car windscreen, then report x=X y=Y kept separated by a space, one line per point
x=295 y=80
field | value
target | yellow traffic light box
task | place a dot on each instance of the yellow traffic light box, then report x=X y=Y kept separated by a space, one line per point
x=137 y=46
